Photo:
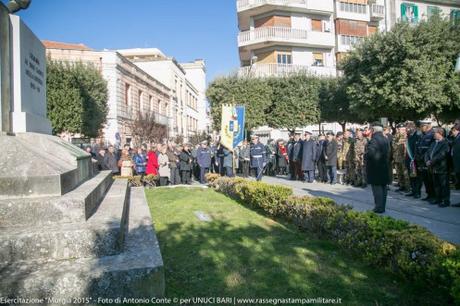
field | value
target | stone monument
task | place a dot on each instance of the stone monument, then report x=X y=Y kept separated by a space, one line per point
x=68 y=233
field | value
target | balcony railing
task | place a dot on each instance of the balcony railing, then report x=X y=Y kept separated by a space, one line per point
x=377 y=11
x=247 y=4
x=280 y=70
x=267 y=33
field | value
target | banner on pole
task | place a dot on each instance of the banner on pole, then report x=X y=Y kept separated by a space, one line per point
x=232 y=126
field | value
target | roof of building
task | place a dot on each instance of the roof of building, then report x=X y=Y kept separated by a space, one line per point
x=142 y=52
x=62 y=45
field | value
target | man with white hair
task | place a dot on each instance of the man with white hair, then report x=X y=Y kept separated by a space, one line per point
x=378 y=165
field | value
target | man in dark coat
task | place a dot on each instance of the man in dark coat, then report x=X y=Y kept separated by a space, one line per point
x=225 y=161
x=330 y=156
x=297 y=157
x=203 y=158
x=290 y=151
x=185 y=164
x=308 y=158
x=245 y=158
x=422 y=147
x=110 y=161
x=436 y=162
x=455 y=154
x=413 y=137
x=258 y=156
x=322 y=170
x=378 y=164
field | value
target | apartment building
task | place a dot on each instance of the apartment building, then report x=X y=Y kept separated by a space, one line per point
x=187 y=85
x=130 y=89
x=278 y=37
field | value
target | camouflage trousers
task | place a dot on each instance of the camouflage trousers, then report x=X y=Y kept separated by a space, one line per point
x=350 y=172
x=403 y=175
x=360 y=174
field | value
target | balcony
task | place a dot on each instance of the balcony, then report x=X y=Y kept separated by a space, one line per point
x=281 y=70
x=259 y=6
x=377 y=11
x=263 y=37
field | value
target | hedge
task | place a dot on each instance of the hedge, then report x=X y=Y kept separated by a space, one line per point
x=408 y=250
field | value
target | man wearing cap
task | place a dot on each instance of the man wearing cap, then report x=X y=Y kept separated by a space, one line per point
x=377 y=166
x=399 y=156
x=422 y=147
x=257 y=153
x=308 y=158
x=436 y=162
x=359 y=148
x=203 y=158
x=330 y=156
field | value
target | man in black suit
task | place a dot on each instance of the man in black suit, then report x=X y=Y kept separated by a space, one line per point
x=330 y=156
x=455 y=153
x=436 y=162
x=426 y=139
x=378 y=164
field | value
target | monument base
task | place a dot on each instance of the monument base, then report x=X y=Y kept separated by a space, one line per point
x=41 y=165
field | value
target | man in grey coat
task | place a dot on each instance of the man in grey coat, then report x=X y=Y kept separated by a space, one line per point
x=308 y=158
x=110 y=161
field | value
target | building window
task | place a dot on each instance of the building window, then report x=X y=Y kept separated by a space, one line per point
x=284 y=58
x=433 y=10
x=128 y=94
x=316 y=25
x=455 y=16
x=151 y=104
x=318 y=59
x=159 y=106
x=409 y=12
x=353 y=8
x=348 y=40
x=141 y=101
x=166 y=109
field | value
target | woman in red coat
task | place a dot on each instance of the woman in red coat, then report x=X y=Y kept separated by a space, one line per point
x=152 y=163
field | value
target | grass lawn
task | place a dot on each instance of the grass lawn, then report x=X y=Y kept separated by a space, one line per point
x=242 y=253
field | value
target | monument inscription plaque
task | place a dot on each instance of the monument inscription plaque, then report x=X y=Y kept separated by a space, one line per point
x=29 y=80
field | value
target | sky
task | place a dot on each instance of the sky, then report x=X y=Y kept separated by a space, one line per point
x=184 y=29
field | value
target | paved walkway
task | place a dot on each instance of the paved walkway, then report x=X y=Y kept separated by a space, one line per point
x=444 y=222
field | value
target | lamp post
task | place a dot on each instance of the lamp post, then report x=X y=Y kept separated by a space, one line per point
x=5 y=60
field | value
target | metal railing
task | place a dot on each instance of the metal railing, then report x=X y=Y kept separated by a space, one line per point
x=377 y=11
x=247 y=4
x=279 y=70
x=264 y=33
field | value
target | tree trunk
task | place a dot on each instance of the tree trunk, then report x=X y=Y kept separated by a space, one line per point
x=343 y=125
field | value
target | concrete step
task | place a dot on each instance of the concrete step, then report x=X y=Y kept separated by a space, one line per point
x=102 y=235
x=137 y=272
x=76 y=205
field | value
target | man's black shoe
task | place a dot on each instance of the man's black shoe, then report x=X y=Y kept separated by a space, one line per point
x=443 y=205
x=378 y=211
x=434 y=202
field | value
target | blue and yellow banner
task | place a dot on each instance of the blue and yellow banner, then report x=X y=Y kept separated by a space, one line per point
x=232 y=128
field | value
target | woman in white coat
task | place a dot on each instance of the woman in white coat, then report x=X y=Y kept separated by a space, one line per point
x=164 y=171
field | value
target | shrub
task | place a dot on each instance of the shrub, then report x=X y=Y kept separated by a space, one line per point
x=408 y=250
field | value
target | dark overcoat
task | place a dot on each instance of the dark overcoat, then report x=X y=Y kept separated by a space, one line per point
x=456 y=153
x=437 y=154
x=185 y=159
x=330 y=153
x=308 y=155
x=377 y=160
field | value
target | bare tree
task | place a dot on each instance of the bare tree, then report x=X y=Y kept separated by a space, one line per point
x=145 y=129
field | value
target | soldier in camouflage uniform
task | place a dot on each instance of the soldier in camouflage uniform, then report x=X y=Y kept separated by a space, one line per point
x=348 y=151
x=399 y=157
x=359 y=149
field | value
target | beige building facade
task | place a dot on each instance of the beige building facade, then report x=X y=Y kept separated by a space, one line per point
x=130 y=89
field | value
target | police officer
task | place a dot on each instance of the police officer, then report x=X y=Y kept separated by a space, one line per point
x=203 y=158
x=422 y=147
x=257 y=153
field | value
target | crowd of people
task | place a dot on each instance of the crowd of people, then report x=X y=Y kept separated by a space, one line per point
x=415 y=155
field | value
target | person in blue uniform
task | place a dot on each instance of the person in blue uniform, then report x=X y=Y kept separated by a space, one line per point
x=203 y=158
x=257 y=154
x=422 y=146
